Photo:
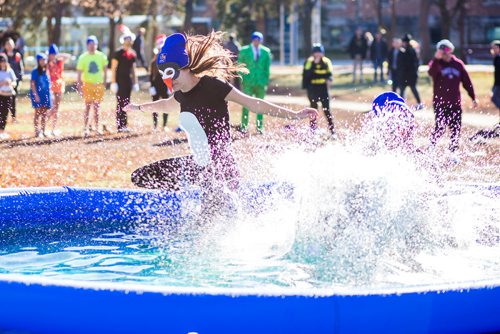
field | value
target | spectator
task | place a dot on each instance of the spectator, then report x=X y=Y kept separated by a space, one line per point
x=378 y=54
x=123 y=78
x=392 y=59
x=15 y=60
x=317 y=75
x=55 y=67
x=495 y=50
x=7 y=84
x=40 y=94
x=234 y=47
x=447 y=72
x=138 y=47
x=257 y=59
x=357 y=49
x=407 y=67
x=158 y=90
x=91 y=80
x=495 y=98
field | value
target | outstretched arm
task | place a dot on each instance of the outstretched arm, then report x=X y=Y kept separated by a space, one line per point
x=163 y=105
x=263 y=107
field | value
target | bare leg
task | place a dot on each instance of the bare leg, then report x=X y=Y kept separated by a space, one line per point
x=52 y=114
x=35 y=121
x=86 y=116
x=97 y=111
x=43 y=114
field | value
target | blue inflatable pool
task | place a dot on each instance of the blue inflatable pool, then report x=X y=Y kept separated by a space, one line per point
x=32 y=304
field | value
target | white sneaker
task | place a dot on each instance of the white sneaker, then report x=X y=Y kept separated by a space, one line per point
x=4 y=135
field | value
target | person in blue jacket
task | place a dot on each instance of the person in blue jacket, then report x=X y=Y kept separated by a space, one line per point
x=41 y=99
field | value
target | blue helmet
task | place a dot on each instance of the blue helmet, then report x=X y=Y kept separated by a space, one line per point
x=53 y=49
x=257 y=35
x=318 y=47
x=384 y=99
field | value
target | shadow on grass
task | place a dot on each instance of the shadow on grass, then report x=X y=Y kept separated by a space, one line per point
x=30 y=142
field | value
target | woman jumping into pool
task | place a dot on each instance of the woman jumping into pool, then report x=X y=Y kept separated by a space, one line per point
x=197 y=68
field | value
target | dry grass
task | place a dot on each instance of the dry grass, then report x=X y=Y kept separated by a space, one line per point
x=107 y=161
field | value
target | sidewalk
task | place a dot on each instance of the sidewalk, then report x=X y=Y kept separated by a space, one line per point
x=475 y=119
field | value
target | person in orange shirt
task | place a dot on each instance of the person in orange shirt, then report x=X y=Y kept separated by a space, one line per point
x=55 y=67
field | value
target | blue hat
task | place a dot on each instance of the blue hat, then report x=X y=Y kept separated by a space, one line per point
x=384 y=99
x=53 y=49
x=318 y=47
x=41 y=55
x=257 y=35
x=173 y=52
x=93 y=39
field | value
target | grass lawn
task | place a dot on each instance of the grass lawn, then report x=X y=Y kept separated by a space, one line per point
x=107 y=161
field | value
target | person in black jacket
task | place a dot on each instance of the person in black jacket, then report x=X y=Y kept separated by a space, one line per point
x=316 y=77
x=407 y=67
x=378 y=53
x=138 y=47
x=15 y=60
x=392 y=60
x=158 y=90
x=357 y=49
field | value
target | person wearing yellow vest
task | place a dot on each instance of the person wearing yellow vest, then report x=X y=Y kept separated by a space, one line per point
x=257 y=59
x=316 y=77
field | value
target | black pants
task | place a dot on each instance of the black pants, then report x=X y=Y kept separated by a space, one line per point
x=172 y=174
x=451 y=117
x=319 y=93
x=413 y=89
x=123 y=99
x=5 y=107
x=168 y=174
x=394 y=77
x=155 y=114
x=13 y=102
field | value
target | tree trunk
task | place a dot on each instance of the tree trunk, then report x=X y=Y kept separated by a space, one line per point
x=307 y=13
x=394 y=21
x=112 y=36
x=445 y=19
x=50 y=29
x=380 y=18
x=423 y=24
x=461 y=30
x=188 y=16
x=56 y=31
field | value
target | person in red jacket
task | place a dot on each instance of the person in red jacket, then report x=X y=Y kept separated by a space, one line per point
x=447 y=72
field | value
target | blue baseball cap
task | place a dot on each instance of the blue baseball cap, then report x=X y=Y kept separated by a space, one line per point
x=92 y=39
x=257 y=35
x=40 y=55
x=384 y=99
x=53 y=49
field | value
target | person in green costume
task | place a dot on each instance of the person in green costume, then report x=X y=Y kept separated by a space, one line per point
x=257 y=59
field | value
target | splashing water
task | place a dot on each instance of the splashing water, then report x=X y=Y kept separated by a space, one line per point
x=355 y=220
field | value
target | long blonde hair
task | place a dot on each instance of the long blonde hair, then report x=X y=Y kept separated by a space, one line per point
x=208 y=56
